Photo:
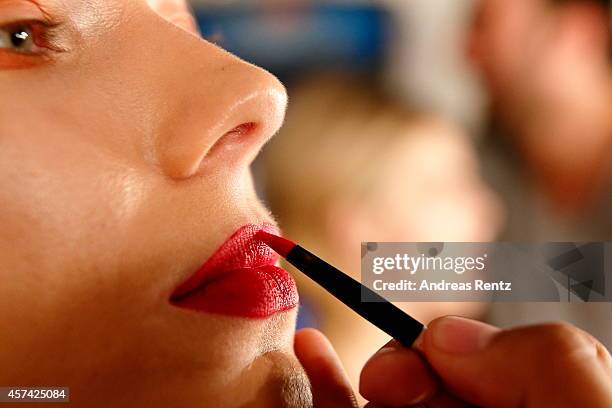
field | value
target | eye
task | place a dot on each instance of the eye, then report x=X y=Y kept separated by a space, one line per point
x=18 y=38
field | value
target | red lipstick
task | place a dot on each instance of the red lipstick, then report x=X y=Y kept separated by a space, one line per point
x=240 y=279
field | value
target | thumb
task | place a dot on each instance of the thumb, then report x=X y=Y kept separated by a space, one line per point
x=329 y=383
x=545 y=365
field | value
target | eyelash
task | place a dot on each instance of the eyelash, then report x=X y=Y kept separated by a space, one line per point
x=41 y=37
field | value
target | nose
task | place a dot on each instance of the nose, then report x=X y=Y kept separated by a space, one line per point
x=216 y=109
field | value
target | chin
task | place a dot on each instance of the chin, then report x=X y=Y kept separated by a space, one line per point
x=274 y=379
x=282 y=382
x=230 y=362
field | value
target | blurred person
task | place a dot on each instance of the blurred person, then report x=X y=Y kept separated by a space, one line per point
x=349 y=165
x=546 y=64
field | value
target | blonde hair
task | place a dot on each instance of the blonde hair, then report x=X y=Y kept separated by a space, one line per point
x=337 y=133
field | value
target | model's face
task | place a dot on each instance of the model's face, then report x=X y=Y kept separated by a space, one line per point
x=121 y=172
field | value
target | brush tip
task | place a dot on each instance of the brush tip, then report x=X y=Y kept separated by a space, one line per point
x=279 y=244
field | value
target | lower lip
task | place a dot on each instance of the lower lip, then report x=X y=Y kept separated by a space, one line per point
x=249 y=292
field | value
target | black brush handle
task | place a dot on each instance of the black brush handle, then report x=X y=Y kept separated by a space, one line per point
x=377 y=310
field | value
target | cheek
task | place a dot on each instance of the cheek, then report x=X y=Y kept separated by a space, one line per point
x=59 y=198
x=59 y=204
x=66 y=246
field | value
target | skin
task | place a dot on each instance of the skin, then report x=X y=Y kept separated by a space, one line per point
x=119 y=178
x=120 y=175
x=459 y=362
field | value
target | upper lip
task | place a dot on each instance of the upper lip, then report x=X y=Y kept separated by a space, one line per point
x=240 y=250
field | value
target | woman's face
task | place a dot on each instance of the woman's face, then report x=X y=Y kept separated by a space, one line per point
x=125 y=144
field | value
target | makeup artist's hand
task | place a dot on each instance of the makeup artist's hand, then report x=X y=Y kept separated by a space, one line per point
x=548 y=365
x=330 y=385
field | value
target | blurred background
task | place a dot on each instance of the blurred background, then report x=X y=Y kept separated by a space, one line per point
x=432 y=120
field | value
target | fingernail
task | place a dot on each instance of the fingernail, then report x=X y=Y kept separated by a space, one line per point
x=390 y=344
x=458 y=335
x=418 y=343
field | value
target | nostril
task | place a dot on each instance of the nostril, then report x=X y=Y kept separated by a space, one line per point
x=238 y=135
x=243 y=129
